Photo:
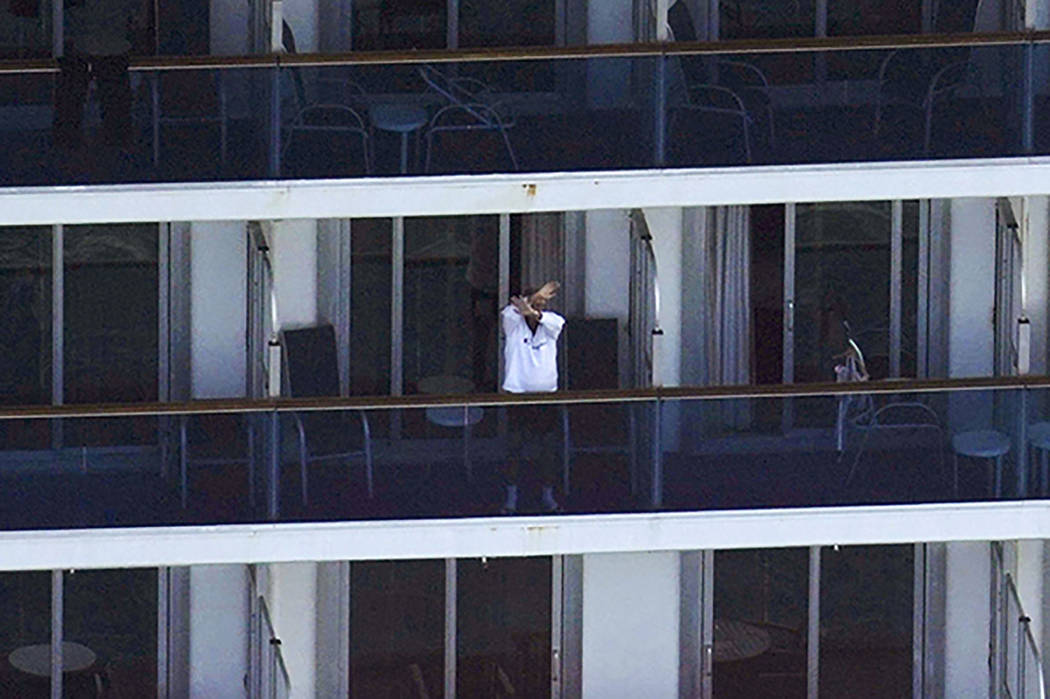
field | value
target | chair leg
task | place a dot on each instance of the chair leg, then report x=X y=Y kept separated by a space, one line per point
x=302 y=474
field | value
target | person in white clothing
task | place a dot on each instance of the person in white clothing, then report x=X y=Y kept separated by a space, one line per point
x=530 y=359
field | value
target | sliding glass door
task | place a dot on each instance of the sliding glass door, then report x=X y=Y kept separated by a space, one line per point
x=808 y=623
x=469 y=627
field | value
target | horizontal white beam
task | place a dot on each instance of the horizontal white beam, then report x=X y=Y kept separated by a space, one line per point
x=521 y=193
x=522 y=536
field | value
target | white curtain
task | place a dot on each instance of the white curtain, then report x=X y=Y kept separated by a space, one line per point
x=718 y=250
x=542 y=250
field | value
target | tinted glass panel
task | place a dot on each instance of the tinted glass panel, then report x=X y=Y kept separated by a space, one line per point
x=397 y=628
x=504 y=627
x=760 y=623
x=866 y=618
x=25 y=606
x=113 y=615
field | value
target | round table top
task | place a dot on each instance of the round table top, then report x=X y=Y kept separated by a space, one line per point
x=455 y=416
x=403 y=118
x=36 y=659
x=983 y=443
x=739 y=640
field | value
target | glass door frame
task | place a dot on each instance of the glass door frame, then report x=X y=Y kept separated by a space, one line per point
x=696 y=634
x=566 y=599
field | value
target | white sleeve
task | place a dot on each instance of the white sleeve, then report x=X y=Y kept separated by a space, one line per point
x=551 y=323
x=510 y=319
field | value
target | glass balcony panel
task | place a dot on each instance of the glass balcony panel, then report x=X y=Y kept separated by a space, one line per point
x=915 y=103
x=838 y=450
x=25 y=29
x=25 y=296
x=449 y=459
x=564 y=114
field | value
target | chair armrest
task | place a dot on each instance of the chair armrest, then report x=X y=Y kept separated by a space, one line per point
x=947 y=78
x=714 y=97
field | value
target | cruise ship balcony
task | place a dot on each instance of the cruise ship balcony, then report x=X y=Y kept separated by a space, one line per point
x=595 y=108
x=654 y=450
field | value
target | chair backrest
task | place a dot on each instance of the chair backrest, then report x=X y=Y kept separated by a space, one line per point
x=311 y=361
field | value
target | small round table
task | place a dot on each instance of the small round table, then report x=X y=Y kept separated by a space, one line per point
x=399 y=118
x=1039 y=439
x=982 y=444
x=739 y=640
x=36 y=659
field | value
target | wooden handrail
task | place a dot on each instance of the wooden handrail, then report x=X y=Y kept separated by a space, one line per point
x=678 y=393
x=539 y=53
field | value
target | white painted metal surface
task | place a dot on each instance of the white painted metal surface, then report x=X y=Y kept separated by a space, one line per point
x=481 y=194
x=522 y=536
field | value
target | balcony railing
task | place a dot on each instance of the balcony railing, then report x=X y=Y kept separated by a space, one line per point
x=681 y=449
x=593 y=108
x=1017 y=664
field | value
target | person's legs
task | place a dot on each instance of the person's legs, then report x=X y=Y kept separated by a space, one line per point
x=114 y=89
x=532 y=440
x=70 y=90
x=517 y=437
x=545 y=460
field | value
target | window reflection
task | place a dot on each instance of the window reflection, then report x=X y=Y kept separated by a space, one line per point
x=866 y=600
x=25 y=620
x=397 y=628
x=504 y=627
x=113 y=613
x=760 y=610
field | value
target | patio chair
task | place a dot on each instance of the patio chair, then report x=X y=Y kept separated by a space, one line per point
x=312 y=371
x=470 y=108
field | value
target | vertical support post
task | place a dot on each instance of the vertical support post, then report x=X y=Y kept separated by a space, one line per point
x=58 y=38
x=922 y=305
x=690 y=625
x=557 y=613
x=813 y=626
x=452 y=24
x=397 y=310
x=660 y=117
x=707 y=623
x=450 y=628
x=657 y=484
x=56 y=634
x=504 y=283
x=273 y=482
x=163 y=635
x=58 y=337
x=788 y=351
x=1028 y=100
x=918 y=619
x=275 y=118
x=820 y=29
x=896 y=270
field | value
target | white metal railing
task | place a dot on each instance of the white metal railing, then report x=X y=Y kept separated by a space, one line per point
x=276 y=683
x=1016 y=664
